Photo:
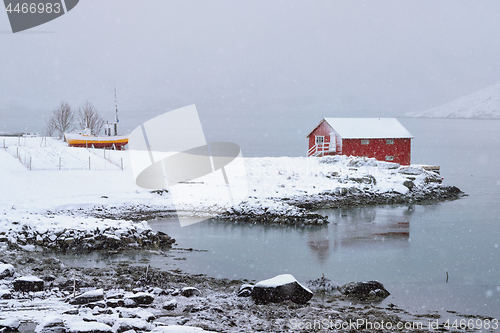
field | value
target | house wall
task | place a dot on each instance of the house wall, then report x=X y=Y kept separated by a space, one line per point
x=379 y=149
x=324 y=129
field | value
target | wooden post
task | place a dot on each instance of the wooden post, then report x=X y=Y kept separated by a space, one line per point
x=59 y=162
x=89 y=162
x=121 y=161
x=30 y=162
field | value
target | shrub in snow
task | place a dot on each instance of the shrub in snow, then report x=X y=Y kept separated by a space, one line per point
x=323 y=285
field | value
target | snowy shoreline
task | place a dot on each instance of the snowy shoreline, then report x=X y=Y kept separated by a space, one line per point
x=124 y=296
x=62 y=206
x=65 y=208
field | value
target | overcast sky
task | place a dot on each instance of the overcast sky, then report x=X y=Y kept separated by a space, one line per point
x=251 y=67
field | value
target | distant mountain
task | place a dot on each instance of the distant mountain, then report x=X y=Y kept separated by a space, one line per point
x=481 y=104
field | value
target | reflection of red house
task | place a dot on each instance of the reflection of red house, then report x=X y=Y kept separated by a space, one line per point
x=382 y=138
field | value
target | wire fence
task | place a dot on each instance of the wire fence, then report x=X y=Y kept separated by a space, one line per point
x=37 y=155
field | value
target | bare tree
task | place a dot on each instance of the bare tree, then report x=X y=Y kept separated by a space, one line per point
x=50 y=127
x=62 y=118
x=89 y=117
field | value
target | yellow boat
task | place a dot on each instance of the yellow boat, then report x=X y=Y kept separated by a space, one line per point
x=83 y=140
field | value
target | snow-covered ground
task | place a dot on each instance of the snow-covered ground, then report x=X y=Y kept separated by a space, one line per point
x=481 y=104
x=26 y=196
x=53 y=193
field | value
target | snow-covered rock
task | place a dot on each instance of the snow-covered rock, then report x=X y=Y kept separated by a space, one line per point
x=190 y=291
x=245 y=290
x=51 y=324
x=88 y=327
x=170 y=304
x=6 y=270
x=88 y=297
x=125 y=324
x=178 y=329
x=140 y=298
x=9 y=325
x=5 y=294
x=281 y=288
x=28 y=283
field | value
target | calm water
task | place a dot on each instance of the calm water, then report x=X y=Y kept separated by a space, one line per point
x=409 y=249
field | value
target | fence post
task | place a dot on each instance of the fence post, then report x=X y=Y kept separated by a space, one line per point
x=59 y=162
x=89 y=162
x=121 y=161
x=30 y=162
x=4 y=143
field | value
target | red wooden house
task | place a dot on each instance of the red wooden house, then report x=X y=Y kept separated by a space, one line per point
x=382 y=138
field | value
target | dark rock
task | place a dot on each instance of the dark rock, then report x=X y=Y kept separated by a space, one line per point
x=57 y=329
x=88 y=297
x=72 y=312
x=100 y=304
x=190 y=291
x=141 y=298
x=245 y=290
x=28 y=283
x=281 y=288
x=365 y=290
x=48 y=278
x=114 y=303
x=409 y=184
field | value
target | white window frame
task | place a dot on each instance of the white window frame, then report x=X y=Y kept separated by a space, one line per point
x=389 y=158
x=389 y=141
x=365 y=142
x=322 y=140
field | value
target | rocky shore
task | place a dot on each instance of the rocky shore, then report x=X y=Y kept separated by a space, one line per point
x=127 y=297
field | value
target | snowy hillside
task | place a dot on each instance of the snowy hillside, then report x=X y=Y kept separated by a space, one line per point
x=483 y=104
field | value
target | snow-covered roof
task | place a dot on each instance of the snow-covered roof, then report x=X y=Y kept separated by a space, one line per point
x=368 y=128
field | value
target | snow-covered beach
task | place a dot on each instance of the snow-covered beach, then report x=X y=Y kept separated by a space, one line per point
x=84 y=201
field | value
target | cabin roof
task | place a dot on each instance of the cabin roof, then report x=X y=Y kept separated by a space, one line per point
x=367 y=128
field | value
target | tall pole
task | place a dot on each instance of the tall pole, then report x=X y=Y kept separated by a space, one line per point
x=116 y=115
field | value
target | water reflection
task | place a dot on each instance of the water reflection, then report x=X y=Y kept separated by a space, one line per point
x=367 y=226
